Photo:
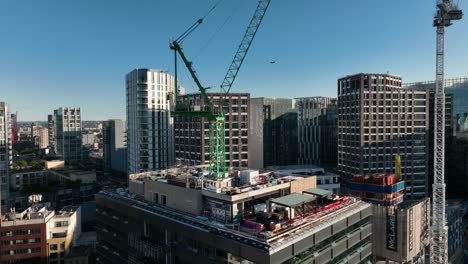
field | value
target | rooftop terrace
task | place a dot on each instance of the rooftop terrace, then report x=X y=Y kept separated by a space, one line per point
x=250 y=232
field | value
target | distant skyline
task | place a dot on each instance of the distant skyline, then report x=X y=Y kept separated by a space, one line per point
x=76 y=53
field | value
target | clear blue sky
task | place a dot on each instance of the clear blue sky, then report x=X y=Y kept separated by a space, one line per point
x=76 y=53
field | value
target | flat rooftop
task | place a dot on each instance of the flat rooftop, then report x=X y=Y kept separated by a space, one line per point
x=293 y=200
x=265 y=240
x=318 y=192
x=35 y=214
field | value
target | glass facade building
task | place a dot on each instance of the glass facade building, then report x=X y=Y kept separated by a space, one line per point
x=318 y=130
x=273 y=132
x=458 y=88
x=456 y=134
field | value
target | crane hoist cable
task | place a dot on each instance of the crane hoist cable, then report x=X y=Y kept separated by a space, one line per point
x=216 y=32
x=187 y=32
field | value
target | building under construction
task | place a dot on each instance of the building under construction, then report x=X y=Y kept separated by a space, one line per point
x=182 y=216
x=378 y=188
x=400 y=230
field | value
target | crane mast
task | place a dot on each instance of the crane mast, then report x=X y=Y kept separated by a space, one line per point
x=446 y=12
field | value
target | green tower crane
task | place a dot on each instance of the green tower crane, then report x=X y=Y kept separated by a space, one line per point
x=216 y=119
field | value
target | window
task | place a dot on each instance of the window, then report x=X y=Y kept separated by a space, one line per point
x=61 y=223
x=163 y=199
x=156 y=198
x=53 y=247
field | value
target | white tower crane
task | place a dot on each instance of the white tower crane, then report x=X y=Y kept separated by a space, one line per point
x=446 y=12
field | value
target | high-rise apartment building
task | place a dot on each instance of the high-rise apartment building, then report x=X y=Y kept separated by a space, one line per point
x=40 y=136
x=273 y=132
x=378 y=119
x=43 y=138
x=191 y=134
x=67 y=143
x=14 y=128
x=6 y=158
x=51 y=131
x=318 y=131
x=150 y=137
x=115 y=159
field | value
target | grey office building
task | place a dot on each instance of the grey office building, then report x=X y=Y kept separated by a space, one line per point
x=273 y=132
x=318 y=131
x=115 y=159
x=378 y=119
x=456 y=134
x=150 y=137
x=6 y=158
x=67 y=131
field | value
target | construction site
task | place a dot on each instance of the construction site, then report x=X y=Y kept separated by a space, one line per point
x=263 y=218
x=400 y=229
x=215 y=213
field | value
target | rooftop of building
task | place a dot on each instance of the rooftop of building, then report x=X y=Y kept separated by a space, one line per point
x=432 y=82
x=274 y=203
x=239 y=181
x=67 y=211
x=376 y=74
x=280 y=233
x=217 y=93
x=315 y=98
x=301 y=170
x=36 y=213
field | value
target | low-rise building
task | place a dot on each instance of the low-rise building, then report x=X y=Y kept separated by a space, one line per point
x=38 y=234
x=63 y=231
x=23 y=236
x=181 y=216
x=21 y=180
